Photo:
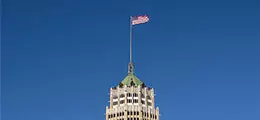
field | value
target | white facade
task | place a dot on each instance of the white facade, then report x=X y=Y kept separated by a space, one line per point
x=132 y=103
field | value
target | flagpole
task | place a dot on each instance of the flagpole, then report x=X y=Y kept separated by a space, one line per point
x=138 y=20
x=131 y=39
x=130 y=65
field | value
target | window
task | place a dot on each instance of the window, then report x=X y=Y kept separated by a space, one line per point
x=114 y=103
x=149 y=103
x=129 y=101
x=115 y=97
x=135 y=101
x=122 y=101
x=122 y=95
x=142 y=101
x=129 y=95
x=149 y=97
x=135 y=95
x=142 y=96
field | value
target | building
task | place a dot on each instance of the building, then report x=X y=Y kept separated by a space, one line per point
x=131 y=99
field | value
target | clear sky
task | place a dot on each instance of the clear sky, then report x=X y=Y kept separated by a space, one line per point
x=60 y=57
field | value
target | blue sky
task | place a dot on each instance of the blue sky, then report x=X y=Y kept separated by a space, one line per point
x=60 y=57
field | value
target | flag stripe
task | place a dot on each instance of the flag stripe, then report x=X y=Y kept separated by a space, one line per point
x=139 y=20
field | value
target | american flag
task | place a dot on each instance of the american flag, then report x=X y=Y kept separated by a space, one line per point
x=139 y=19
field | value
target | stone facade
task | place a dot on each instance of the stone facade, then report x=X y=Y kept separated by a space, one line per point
x=132 y=103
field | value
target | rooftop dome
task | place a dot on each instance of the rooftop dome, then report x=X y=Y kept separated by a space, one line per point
x=131 y=80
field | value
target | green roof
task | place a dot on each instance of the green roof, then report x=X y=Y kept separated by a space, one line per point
x=131 y=80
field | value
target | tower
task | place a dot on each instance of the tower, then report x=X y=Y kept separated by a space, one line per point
x=131 y=99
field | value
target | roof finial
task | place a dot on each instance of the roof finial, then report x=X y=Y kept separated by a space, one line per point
x=130 y=68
